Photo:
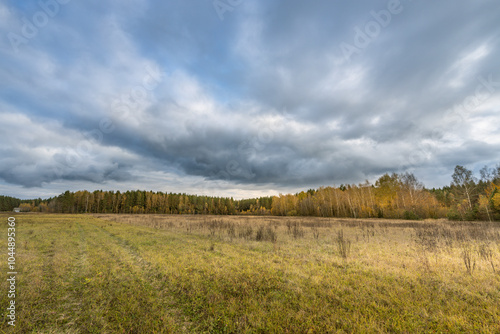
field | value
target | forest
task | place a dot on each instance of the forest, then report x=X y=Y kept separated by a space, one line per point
x=399 y=196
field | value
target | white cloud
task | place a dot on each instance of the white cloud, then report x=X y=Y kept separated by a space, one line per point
x=466 y=65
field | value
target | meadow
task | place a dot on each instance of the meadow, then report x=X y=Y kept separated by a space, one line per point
x=249 y=274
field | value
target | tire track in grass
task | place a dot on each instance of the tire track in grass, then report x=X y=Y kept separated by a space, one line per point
x=47 y=267
x=145 y=273
x=107 y=288
x=85 y=308
x=72 y=304
x=146 y=269
x=44 y=251
x=63 y=266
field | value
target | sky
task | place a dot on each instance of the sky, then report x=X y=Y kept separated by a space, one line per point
x=244 y=98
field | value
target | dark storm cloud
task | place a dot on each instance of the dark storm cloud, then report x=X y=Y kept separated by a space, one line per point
x=114 y=92
x=34 y=175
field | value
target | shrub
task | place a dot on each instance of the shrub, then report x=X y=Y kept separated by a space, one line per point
x=469 y=260
x=297 y=231
x=246 y=232
x=315 y=233
x=487 y=254
x=410 y=215
x=266 y=234
x=231 y=231
x=453 y=215
x=343 y=245
x=472 y=214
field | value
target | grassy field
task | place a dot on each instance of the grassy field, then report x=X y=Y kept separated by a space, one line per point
x=234 y=274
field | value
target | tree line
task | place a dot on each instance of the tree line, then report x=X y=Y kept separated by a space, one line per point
x=400 y=196
x=143 y=202
x=8 y=203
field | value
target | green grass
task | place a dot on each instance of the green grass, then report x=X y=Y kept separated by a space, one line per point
x=196 y=274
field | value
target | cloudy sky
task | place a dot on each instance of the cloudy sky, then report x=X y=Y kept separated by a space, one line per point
x=244 y=97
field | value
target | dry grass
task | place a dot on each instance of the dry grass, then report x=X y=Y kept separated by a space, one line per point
x=233 y=274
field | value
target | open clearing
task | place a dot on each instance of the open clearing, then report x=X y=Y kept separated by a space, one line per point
x=239 y=274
